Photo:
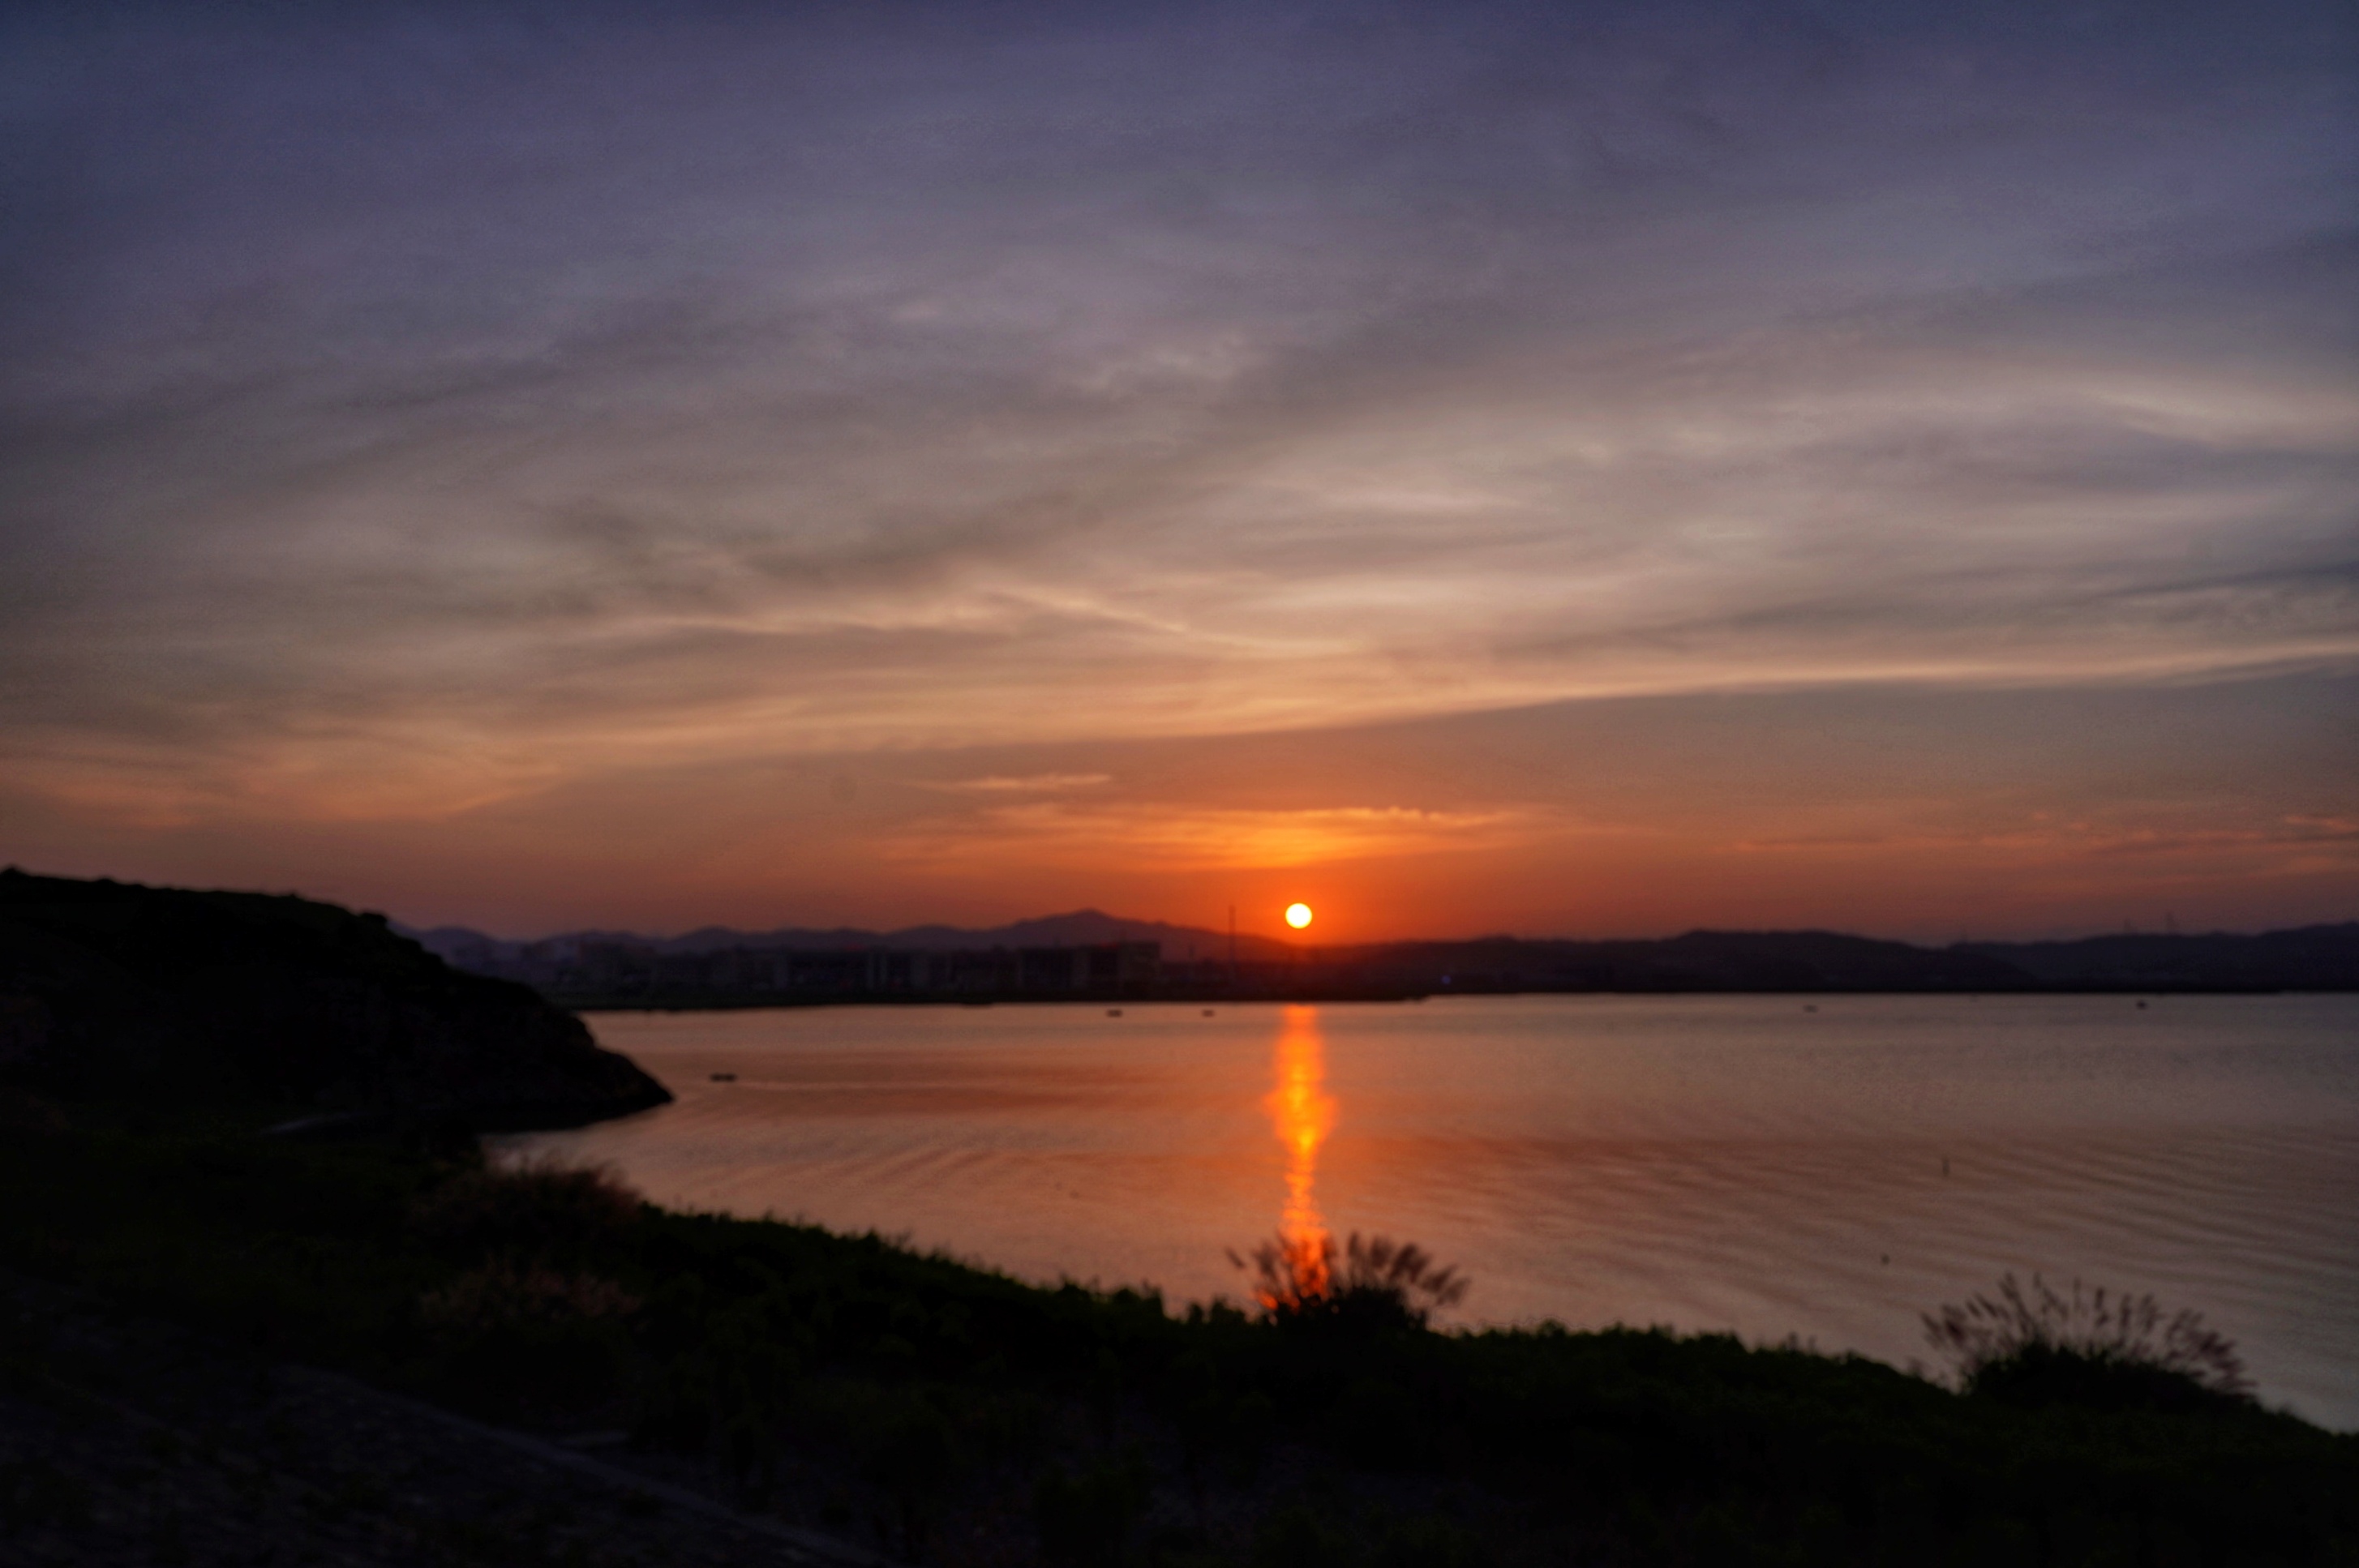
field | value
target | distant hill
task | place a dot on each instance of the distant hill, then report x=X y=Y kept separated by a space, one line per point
x=2311 y=957
x=113 y=990
x=2323 y=957
x=1698 y=961
x=470 y=948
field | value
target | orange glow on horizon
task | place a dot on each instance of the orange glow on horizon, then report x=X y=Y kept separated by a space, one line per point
x=1303 y=1114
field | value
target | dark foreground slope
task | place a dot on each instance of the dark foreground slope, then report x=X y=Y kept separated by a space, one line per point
x=944 y=1416
x=114 y=991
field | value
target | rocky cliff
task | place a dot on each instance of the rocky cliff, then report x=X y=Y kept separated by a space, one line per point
x=116 y=991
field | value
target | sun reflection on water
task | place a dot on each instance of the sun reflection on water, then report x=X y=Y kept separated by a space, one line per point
x=1303 y=1114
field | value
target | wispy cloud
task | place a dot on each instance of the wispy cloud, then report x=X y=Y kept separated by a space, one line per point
x=1166 y=836
x=1030 y=784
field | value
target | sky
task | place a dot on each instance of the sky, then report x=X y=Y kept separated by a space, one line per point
x=1584 y=470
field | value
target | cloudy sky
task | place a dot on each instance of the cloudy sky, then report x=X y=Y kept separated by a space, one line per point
x=1584 y=469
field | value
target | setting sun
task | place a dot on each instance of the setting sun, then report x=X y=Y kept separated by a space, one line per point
x=1297 y=915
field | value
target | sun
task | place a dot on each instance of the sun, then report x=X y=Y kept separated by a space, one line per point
x=1297 y=915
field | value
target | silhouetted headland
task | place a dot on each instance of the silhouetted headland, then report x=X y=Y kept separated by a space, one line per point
x=1092 y=956
x=115 y=991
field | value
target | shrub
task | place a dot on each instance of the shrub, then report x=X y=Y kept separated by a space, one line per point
x=1086 y=1521
x=909 y=1450
x=37 y=1494
x=514 y=1331
x=1299 y=1537
x=505 y=1293
x=542 y=1210
x=1378 y=1283
x=2091 y=1347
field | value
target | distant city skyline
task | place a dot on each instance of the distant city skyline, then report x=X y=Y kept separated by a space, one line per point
x=1495 y=468
x=1181 y=940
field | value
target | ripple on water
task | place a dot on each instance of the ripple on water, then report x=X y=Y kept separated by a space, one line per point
x=1708 y=1162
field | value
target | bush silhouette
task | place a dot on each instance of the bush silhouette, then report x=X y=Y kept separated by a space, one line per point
x=539 y=1210
x=1086 y=1521
x=1300 y=1536
x=528 y=1332
x=2092 y=1348
x=1377 y=1283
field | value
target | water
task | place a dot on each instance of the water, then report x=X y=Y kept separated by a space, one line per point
x=1826 y=1168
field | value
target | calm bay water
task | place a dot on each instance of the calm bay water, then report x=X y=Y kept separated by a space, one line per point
x=1770 y=1165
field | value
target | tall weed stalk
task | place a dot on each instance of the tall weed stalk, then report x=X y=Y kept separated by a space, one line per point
x=1992 y=1341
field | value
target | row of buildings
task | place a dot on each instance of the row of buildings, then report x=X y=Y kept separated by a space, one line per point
x=622 y=972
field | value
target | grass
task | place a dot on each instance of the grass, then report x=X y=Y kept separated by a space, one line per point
x=1376 y=1284
x=953 y=1415
x=2092 y=1348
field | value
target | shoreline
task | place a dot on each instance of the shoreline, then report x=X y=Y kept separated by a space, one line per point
x=690 y=1003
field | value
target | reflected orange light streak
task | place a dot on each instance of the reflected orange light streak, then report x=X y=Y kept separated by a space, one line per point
x=1303 y=1114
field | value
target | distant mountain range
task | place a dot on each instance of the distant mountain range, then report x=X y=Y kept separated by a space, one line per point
x=1083 y=928
x=2316 y=958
